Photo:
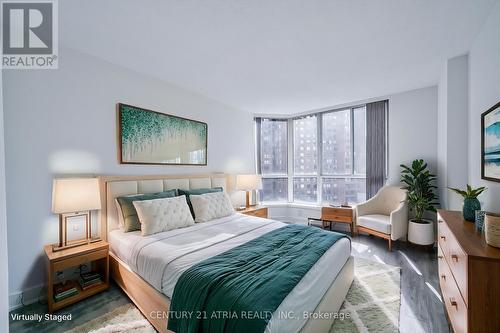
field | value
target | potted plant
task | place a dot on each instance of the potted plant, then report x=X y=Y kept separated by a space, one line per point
x=471 y=203
x=420 y=184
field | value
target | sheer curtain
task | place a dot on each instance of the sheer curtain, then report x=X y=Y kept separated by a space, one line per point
x=376 y=157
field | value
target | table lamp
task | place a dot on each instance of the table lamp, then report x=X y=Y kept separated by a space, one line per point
x=248 y=183
x=71 y=198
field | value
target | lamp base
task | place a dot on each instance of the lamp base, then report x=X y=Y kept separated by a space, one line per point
x=64 y=243
x=56 y=247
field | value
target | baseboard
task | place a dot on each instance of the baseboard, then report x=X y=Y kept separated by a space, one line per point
x=28 y=296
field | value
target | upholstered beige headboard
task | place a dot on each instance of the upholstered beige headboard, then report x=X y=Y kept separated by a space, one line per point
x=115 y=186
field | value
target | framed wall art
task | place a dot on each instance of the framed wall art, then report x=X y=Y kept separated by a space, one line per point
x=490 y=144
x=151 y=137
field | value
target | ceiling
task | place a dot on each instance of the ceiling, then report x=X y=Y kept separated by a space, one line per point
x=278 y=56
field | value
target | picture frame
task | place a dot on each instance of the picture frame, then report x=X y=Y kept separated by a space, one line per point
x=153 y=138
x=490 y=144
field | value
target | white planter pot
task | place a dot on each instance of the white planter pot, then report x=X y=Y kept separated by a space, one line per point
x=421 y=233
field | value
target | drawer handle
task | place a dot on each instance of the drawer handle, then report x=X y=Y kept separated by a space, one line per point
x=454 y=257
x=443 y=277
x=440 y=221
x=440 y=257
x=453 y=302
x=443 y=238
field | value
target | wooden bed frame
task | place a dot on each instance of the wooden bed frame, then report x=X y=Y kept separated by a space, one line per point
x=155 y=305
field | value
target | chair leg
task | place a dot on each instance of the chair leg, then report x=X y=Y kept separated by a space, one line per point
x=390 y=244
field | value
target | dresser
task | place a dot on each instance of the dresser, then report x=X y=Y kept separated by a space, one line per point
x=469 y=275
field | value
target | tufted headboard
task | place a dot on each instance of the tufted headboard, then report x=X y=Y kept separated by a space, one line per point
x=115 y=186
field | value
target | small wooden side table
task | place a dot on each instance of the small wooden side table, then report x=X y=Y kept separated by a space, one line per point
x=95 y=253
x=259 y=211
x=340 y=215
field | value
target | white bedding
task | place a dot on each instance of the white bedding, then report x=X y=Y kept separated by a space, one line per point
x=160 y=259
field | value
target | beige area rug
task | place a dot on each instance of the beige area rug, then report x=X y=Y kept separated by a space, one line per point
x=372 y=305
x=374 y=299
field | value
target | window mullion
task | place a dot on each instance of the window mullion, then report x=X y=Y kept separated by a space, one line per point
x=319 y=148
x=352 y=141
x=290 y=160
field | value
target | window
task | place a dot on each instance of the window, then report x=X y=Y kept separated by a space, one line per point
x=273 y=155
x=274 y=189
x=359 y=141
x=327 y=162
x=305 y=189
x=305 y=159
x=305 y=145
x=342 y=190
x=336 y=147
x=273 y=147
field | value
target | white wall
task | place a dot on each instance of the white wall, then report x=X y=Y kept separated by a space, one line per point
x=4 y=273
x=484 y=92
x=452 y=130
x=64 y=122
x=412 y=129
x=442 y=137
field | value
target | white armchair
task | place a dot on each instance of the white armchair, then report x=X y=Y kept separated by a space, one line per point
x=385 y=215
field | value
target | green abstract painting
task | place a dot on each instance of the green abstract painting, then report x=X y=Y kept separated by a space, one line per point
x=150 y=137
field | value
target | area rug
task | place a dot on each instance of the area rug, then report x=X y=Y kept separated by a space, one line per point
x=372 y=305
x=373 y=301
x=126 y=318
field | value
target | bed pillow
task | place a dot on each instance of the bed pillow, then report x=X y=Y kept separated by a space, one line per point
x=197 y=191
x=210 y=206
x=165 y=214
x=129 y=214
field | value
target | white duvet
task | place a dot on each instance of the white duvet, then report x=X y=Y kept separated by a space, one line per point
x=160 y=259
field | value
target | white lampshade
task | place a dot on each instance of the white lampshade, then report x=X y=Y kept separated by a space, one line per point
x=71 y=195
x=248 y=182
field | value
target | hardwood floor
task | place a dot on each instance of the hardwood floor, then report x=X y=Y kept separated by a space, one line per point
x=421 y=308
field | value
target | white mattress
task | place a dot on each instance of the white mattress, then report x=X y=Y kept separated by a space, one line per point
x=160 y=259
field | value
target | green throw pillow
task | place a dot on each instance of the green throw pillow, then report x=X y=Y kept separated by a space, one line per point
x=130 y=218
x=197 y=191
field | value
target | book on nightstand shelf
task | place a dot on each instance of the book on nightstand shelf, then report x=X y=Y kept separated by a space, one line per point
x=89 y=280
x=65 y=290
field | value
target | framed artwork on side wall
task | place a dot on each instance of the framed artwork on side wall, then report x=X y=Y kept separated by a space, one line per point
x=490 y=144
x=150 y=137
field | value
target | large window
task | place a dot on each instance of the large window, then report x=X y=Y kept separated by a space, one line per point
x=273 y=156
x=305 y=159
x=315 y=159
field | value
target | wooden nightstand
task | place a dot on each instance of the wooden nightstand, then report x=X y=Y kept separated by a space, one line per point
x=259 y=211
x=339 y=214
x=97 y=254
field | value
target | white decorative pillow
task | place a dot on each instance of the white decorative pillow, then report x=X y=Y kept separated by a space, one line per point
x=210 y=206
x=164 y=214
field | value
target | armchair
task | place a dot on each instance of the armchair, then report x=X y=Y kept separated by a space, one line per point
x=385 y=215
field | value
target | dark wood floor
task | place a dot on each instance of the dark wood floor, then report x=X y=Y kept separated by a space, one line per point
x=421 y=307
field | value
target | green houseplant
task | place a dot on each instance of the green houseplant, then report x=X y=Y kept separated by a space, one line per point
x=420 y=184
x=471 y=203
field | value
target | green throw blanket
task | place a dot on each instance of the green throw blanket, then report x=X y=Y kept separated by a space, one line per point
x=239 y=290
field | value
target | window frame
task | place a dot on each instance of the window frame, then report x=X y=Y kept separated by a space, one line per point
x=319 y=174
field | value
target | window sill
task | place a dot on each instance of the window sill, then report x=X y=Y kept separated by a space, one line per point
x=291 y=205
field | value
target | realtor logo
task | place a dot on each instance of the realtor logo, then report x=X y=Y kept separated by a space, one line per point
x=29 y=34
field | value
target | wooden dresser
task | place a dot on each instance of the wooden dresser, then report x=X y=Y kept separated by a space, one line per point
x=469 y=275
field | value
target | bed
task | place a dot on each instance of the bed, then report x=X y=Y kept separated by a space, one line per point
x=148 y=267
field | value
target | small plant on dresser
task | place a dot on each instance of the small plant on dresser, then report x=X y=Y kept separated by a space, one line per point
x=471 y=203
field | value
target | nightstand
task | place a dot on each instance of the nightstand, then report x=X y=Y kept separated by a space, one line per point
x=259 y=211
x=338 y=214
x=97 y=254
